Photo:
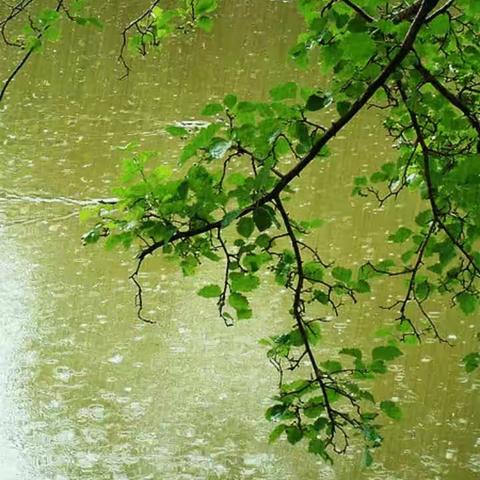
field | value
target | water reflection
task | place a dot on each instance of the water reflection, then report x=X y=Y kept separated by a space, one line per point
x=90 y=393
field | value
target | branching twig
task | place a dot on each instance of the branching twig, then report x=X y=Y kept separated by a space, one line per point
x=335 y=128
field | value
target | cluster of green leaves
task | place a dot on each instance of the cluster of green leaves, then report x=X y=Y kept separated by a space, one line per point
x=224 y=204
x=159 y=23
x=441 y=250
x=238 y=157
x=154 y=207
x=45 y=25
x=350 y=48
x=304 y=412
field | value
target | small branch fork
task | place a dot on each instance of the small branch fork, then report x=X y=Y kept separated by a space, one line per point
x=18 y=9
x=437 y=213
x=134 y=24
x=15 y=11
x=451 y=97
x=298 y=311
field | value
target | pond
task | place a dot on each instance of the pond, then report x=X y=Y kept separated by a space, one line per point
x=89 y=392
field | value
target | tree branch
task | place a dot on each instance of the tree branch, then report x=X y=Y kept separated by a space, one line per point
x=132 y=24
x=440 y=11
x=335 y=128
x=451 y=97
x=437 y=214
x=25 y=58
x=298 y=312
x=364 y=14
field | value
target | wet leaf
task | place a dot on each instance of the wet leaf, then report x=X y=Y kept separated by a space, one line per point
x=391 y=409
x=210 y=291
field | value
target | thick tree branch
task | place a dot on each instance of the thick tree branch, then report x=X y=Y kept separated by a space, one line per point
x=407 y=13
x=440 y=11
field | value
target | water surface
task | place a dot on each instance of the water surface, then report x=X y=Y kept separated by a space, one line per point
x=87 y=391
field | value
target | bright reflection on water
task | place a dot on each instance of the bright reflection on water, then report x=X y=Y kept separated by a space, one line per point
x=87 y=392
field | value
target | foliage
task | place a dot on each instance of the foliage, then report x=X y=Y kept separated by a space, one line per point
x=41 y=25
x=415 y=61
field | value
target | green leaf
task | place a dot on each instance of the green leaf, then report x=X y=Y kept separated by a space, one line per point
x=360 y=181
x=201 y=140
x=391 y=409
x=242 y=282
x=212 y=109
x=52 y=34
x=422 y=290
x=467 y=302
x=295 y=338
x=352 y=352
x=332 y=366
x=205 y=23
x=423 y=218
x=314 y=333
x=401 y=235
x=96 y=22
x=91 y=236
x=358 y=46
x=238 y=301
x=254 y=262
x=48 y=16
x=362 y=286
x=471 y=361
x=342 y=274
x=294 y=435
x=263 y=240
x=440 y=25
x=378 y=177
x=317 y=446
x=205 y=6
x=314 y=411
x=244 y=314
x=284 y=91
x=230 y=217
x=87 y=213
x=321 y=297
x=245 y=226
x=320 y=423
x=219 y=148
x=276 y=433
x=386 y=353
x=230 y=101
x=367 y=458
x=378 y=366
x=176 y=131
x=275 y=412
x=343 y=107
x=316 y=102
x=210 y=291
x=262 y=218
x=313 y=271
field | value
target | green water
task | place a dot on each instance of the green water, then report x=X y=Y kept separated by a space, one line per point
x=88 y=392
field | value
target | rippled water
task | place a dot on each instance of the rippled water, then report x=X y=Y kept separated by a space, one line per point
x=88 y=392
